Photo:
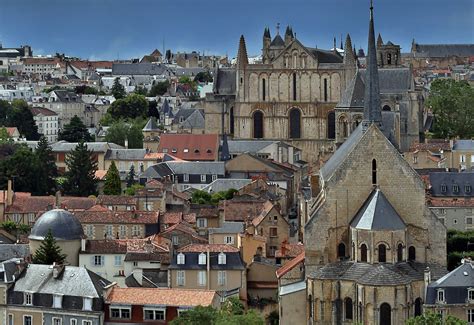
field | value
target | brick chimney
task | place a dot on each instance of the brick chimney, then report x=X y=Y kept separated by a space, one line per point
x=9 y=193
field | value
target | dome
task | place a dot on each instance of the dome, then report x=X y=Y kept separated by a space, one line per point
x=63 y=224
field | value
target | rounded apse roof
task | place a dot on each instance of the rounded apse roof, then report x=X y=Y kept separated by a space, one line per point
x=63 y=224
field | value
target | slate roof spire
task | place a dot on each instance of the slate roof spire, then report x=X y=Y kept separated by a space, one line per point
x=225 y=154
x=372 y=109
x=349 y=56
x=242 y=57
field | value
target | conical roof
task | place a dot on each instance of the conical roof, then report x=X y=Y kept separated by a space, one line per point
x=225 y=154
x=377 y=214
x=242 y=57
x=151 y=125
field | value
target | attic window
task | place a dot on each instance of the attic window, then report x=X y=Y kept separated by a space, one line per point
x=180 y=258
x=455 y=188
x=196 y=150
x=174 y=150
x=467 y=189
x=165 y=150
x=209 y=151
x=185 y=150
x=444 y=188
x=222 y=258
x=202 y=259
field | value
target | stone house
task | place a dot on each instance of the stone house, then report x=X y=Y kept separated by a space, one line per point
x=180 y=235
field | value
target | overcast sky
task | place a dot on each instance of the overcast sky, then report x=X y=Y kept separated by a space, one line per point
x=111 y=29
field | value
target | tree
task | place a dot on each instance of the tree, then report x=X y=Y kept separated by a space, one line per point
x=132 y=106
x=141 y=90
x=5 y=136
x=430 y=318
x=80 y=177
x=75 y=131
x=118 y=90
x=85 y=90
x=18 y=114
x=47 y=171
x=131 y=176
x=135 y=137
x=453 y=109
x=117 y=133
x=133 y=189
x=458 y=247
x=159 y=89
x=153 y=109
x=113 y=185
x=203 y=76
x=49 y=252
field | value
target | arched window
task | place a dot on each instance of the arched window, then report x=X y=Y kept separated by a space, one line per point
x=382 y=253
x=385 y=314
x=417 y=307
x=389 y=58
x=341 y=250
x=264 y=89
x=231 y=121
x=295 y=123
x=258 y=125
x=294 y=86
x=343 y=127
x=348 y=309
x=331 y=125
x=363 y=253
x=325 y=89
x=374 y=172
x=411 y=253
x=400 y=253
x=386 y=108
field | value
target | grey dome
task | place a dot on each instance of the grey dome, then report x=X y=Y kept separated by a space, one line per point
x=63 y=224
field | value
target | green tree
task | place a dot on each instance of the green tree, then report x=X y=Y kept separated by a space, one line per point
x=133 y=189
x=198 y=315
x=118 y=90
x=159 y=89
x=75 y=131
x=141 y=91
x=153 y=109
x=202 y=197
x=21 y=165
x=131 y=176
x=135 y=137
x=430 y=318
x=47 y=171
x=85 y=90
x=5 y=136
x=80 y=177
x=457 y=247
x=453 y=108
x=18 y=114
x=132 y=106
x=203 y=76
x=117 y=133
x=113 y=185
x=49 y=251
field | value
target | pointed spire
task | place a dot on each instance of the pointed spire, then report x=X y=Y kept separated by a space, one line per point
x=225 y=153
x=379 y=41
x=288 y=31
x=372 y=110
x=349 y=57
x=242 y=57
x=334 y=45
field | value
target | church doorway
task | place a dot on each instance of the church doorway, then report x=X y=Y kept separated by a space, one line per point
x=382 y=253
x=258 y=125
x=385 y=314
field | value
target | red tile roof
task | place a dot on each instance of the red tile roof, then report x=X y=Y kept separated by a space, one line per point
x=37 y=204
x=41 y=110
x=28 y=61
x=106 y=246
x=194 y=147
x=116 y=200
x=290 y=265
x=184 y=228
x=118 y=217
x=213 y=248
x=12 y=130
x=100 y=174
x=432 y=145
x=161 y=296
x=289 y=250
x=241 y=210
x=92 y=64
x=267 y=207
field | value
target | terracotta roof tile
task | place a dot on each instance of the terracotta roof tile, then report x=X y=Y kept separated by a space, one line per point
x=290 y=265
x=213 y=248
x=107 y=246
x=12 y=130
x=28 y=204
x=432 y=145
x=171 y=218
x=289 y=250
x=117 y=217
x=202 y=147
x=100 y=174
x=241 y=210
x=451 y=202
x=41 y=110
x=161 y=296
x=184 y=228
x=116 y=200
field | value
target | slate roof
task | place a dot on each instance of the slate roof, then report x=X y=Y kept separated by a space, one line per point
x=464 y=145
x=455 y=285
x=377 y=214
x=197 y=167
x=9 y=251
x=277 y=41
x=443 y=50
x=250 y=146
x=140 y=69
x=463 y=180
x=125 y=154
x=106 y=246
x=63 y=225
x=159 y=170
x=66 y=96
x=385 y=274
x=228 y=228
x=325 y=56
x=63 y=146
x=233 y=262
x=190 y=118
x=213 y=248
x=292 y=288
x=73 y=281
x=161 y=296
x=224 y=184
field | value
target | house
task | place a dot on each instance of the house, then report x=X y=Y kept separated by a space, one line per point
x=189 y=120
x=45 y=294
x=429 y=154
x=152 y=197
x=291 y=298
x=209 y=267
x=191 y=147
x=169 y=219
x=207 y=216
x=151 y=135
x=10 y=270
x=118 y=202
x=463 y=155
x=261 y=280
x=182 y=234
x=240 y=209
x=270 y=149
x=154 y=306
x=126 y=260
x=124 y=159
x=186 y=174
x=251 y=245
x=288 y=251
x=47 y=123
x=292 y=271
x=13 y=133
x=44 y=66
x=99 y=222
x=228 y=233
x=453 y=294
x=451 y=198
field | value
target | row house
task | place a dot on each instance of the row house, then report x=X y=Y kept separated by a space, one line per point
x=182 y=234
x=209 y=267
x=191 y=147
x=44 y=66
x=169 y=219
x=101 y=223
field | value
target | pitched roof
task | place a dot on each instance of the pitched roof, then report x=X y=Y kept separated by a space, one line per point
x=118 y=217
x=144 y=68
x=290 y=265
x=200 y=147
x=151 y=125
x=116 y=200
x=28 y=204
x=224 y=81
x=125 y=154
x=228 y=228
x=464 y=145
x=443 y=184
x=377 y=214
x=161 y=296
x=289 y=250
x=241 y=210
x=277 y=41
x=451 y=202
x=43 y=111
x=197 y=167
x=171 y=218
x=443 y=50
x=184 y=228
x=106 y=246
x=224 y=184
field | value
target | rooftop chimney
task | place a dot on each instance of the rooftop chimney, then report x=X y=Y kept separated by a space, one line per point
x=57 y=270
x=9 y=193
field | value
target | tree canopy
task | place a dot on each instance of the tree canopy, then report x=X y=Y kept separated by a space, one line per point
x=458 y=247
x=132 y=106
x=159 y=89
x=18 y=114
x=453 y=108
x=204 y=76
x=47 y=171
x=113 y=185
x=203 y=197
x=120 y=131
x=80 y=176
x=75 y=131
x=49 y=252
x=118 y=90
x=430 y=318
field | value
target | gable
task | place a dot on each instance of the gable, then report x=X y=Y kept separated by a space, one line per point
x=247 y=163
x=295 y=47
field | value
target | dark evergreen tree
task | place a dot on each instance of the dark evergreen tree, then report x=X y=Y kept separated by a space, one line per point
x=18 y=114
x=118 y=90
x=112 y=184
x=20 y=164
x=49 y=252
x=135 y=137
x=75 y=131
x=47 y=171
x=131 y=176
x=80 y=177
x=153 y=109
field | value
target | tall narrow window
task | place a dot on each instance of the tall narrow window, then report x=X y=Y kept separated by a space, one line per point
x=400 y=253
x=331 y=125
x=231 y=120
x=417 y=307
x=389 y=58
x=294 y=86
x=374 y=172
x=258 y=125
x=411 y=253
x=363 y=253
x=341 y=250
x=348 y=309
x=325 y=89
x=382 y=253
x=385 y=314
x=264 y=89
x=295 y=123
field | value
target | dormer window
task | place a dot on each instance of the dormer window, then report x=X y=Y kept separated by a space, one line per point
x=87 y=303
x=455 y=188
x=444 y=188
x=57 y=301
x=440 y=296
x=28 y=298
x=222 y=259
x=202 y=259
x=468 y=189
x=180 y=258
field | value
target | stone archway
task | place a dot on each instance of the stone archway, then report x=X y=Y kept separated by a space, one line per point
x=385 y=314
